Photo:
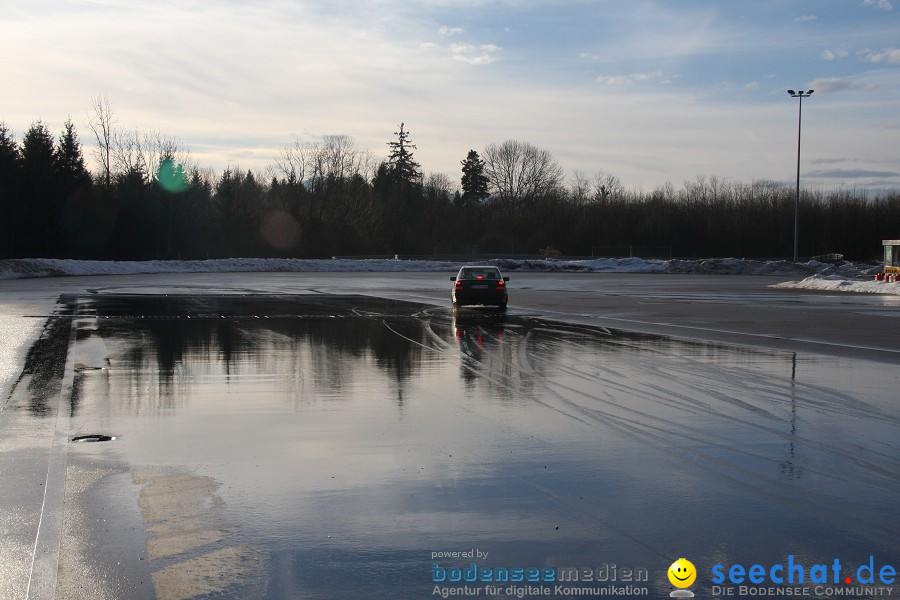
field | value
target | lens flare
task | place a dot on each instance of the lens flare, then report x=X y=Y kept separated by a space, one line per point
x=171 y=177
x=280 y=230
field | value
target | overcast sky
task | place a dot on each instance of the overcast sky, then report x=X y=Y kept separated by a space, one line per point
x=649 y=91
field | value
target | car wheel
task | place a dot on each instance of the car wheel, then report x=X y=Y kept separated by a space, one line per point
x=502 y=306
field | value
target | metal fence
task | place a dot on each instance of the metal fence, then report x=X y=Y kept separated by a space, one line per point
x=474 y=254
x=631 y=251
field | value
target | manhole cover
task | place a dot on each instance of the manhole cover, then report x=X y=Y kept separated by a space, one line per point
x=94 y=437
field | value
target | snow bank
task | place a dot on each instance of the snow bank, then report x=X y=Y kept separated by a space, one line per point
x=836 y=283
x=45 y=267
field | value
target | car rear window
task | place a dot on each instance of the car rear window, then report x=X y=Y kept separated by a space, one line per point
x=483 y=273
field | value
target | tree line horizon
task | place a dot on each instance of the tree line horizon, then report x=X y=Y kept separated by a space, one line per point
x=149 y=200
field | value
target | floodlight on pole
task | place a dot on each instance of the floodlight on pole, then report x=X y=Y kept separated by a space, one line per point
x=801 y=95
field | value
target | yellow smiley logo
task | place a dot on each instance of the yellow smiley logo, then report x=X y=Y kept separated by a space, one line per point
x=682 y=573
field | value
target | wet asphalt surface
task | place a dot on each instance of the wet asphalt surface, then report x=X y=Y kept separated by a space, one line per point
x=327 y=446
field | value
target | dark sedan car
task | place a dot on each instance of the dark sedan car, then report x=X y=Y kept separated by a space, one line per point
x=479 y=285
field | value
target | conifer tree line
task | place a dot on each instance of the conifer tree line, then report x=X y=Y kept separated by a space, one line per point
x=148 y=200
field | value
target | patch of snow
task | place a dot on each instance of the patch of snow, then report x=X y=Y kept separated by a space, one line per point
x=47 y=267
x=837 y=283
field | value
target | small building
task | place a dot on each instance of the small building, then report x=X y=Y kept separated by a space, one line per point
x=891 y=256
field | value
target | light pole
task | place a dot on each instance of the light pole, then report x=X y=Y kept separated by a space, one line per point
x=801 y=94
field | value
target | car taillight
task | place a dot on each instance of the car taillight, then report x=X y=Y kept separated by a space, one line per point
x=459 y=285
x=501 y=285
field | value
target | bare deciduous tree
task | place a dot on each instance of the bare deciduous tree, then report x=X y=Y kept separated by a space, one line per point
x=580 y=189
x=335 y=158
x=607 y=185
x=440 y=184
x=122 y=152
x=321 y=177
x=521 y=171
x=103 y=125
x=133 y=152
x=292 y=161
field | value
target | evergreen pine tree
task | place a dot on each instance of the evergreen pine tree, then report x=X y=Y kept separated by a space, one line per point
x=474 y=181
x=76 y=216
x=402 y=165
x=10 y=157
x=38 y=153
x=39 y=191
x=69 y=158
x=398 y=182
x=10 y=172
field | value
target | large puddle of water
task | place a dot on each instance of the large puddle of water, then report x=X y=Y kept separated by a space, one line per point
x=332 y=447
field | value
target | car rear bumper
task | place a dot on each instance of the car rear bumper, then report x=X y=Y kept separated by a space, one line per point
x=479 y=297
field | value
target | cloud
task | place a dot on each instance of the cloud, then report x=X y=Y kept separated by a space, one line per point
x=341 y=67
x=879 y=4
x=753 y=85
x=445 y=31
x=888 y=55
x=852 y=174
x=805 y=18
x=833 y=54
x=613 y=79
x=830 y=161
x=475 y=54
x=619 y=80
x=826 y=85
x=646 y=76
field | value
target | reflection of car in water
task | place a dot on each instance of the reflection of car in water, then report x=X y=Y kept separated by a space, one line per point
x=476 y=331
x=479 y=285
